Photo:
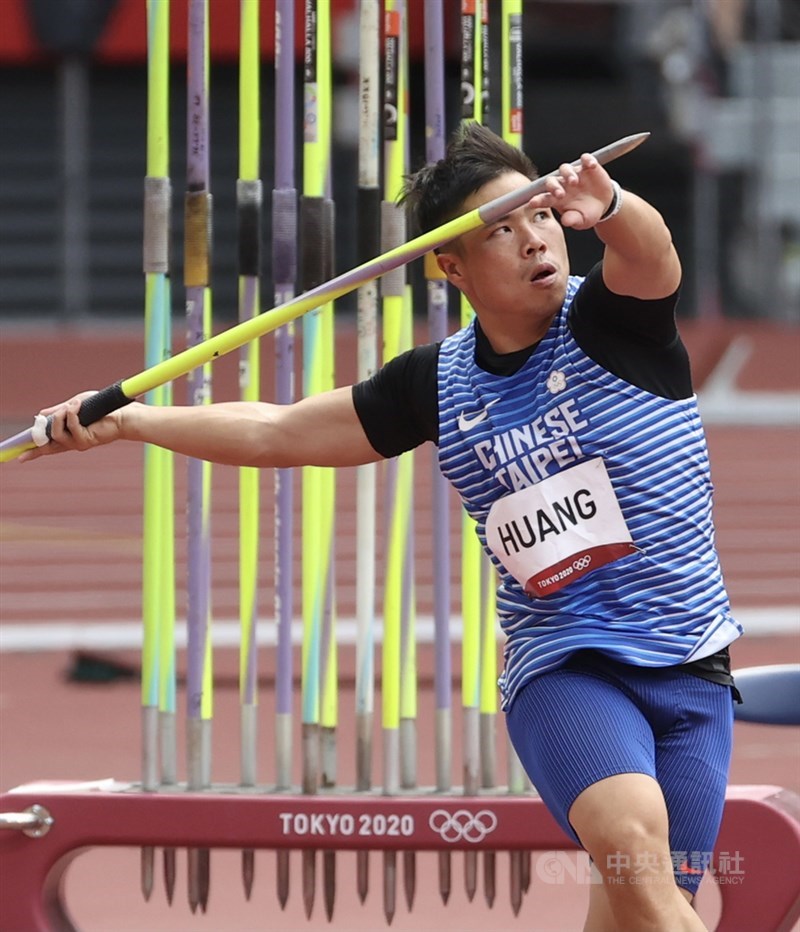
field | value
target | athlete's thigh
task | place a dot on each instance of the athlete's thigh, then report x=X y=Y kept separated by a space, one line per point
x=692 y=761
x=570 y=729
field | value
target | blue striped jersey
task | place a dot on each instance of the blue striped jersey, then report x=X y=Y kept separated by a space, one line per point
x=664 y=601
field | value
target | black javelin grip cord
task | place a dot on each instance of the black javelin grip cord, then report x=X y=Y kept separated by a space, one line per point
x=121 y=393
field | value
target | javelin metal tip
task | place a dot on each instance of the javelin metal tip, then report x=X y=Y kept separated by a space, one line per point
x=505 y=203
x=621 y=147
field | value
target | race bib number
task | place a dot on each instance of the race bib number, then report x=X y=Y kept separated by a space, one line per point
x=552 y=533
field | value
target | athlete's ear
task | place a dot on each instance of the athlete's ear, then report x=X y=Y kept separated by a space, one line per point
x=450 y=264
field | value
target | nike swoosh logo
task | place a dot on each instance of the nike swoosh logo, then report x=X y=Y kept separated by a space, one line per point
x=467 y=423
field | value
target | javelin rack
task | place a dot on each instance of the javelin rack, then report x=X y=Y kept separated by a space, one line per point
x=47 y=824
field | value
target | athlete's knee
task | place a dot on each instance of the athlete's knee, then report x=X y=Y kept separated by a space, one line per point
x=623 y=824
x=634 y=845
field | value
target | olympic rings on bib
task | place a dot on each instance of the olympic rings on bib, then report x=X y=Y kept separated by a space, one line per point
x=582 y=562
x=462 y=824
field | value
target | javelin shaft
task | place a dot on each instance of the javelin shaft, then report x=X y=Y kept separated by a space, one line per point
x=512 y=101
x=472 y=110
x=512 y=88
x=438 y=325
x=368 y=233
x=155 y=259
x=197 y=275
x=248 y=196
x=488 y=642
x=472 y=70
x=284 y=265
x=313 y=266
x=393 y=289
x=249 y=209
x=513 y=122
x=198 y=316
x=323 y=370
x=318 y=675
x=121 y=393
x=487 y=589
x=398 y=336
x=157 y=487
x=395 y=171
x=393 y=297
x=369 y=197
x=437 y=299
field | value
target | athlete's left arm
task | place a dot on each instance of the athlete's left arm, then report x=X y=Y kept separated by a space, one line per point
x=639 y=259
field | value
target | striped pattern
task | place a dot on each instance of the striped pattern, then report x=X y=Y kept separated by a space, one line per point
x=665 y=604
x=606 y=719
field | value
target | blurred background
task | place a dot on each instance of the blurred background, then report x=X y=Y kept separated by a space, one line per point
x=715 y=81
x=717 y=84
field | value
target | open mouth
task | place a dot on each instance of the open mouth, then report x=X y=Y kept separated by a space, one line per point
x=543 y=273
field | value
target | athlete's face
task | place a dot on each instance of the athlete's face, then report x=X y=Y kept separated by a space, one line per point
x=517 y=265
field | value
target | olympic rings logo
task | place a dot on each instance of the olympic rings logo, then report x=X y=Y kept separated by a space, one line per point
x=463 y=824
x=582 y=562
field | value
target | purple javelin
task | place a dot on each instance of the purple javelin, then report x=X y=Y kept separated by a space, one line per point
x=284 y=274
x=196 y=278
x=437 y=318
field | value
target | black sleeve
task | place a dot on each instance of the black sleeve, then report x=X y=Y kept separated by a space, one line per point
x=399 y=406
x=637 y=340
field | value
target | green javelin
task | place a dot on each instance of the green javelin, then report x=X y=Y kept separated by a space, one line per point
x=399 y=656
x=319 y=660
x=248 y=196
x=512 y=126
x=197 y=274
x=158 y=589
x=471 y=555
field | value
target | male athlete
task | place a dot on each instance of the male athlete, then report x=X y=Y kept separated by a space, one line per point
x=565 y=419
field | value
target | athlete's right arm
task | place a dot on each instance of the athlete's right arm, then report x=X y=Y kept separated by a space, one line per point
x=322 y=430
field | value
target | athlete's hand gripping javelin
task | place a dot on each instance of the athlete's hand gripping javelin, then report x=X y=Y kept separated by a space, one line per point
x=67 y=433
x=581 y=197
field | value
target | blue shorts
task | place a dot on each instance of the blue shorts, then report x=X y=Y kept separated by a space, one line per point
x=594 y=718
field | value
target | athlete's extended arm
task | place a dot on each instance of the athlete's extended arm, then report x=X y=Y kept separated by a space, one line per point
x=639 y=258
x=322 y=430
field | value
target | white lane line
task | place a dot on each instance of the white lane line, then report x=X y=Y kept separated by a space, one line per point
x=721 y=402
x=127 y=635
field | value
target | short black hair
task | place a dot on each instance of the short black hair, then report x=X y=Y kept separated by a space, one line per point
x=475 y=155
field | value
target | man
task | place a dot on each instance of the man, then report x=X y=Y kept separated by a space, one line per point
x=565 y=419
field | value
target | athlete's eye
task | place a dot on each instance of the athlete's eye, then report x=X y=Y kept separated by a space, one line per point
x=541 y=215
